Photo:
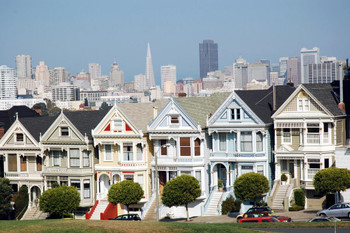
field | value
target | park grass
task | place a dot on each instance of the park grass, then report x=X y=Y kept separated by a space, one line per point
x=296 y=225
x=80 y=226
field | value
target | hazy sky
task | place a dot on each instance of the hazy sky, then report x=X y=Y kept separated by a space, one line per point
x=74 y=33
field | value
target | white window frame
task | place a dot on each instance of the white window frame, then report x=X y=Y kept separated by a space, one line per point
x=141 y=181
x=105 y=153
x=117 y=124
x=303 y=104
x=87 y=192
x=74 y=161
x=262 y=141
x=174 y=116
x=56 y=161
x=62 y=131
x=86 y=158
x=17 y=139
x=76 y=181
x=251 y=141
x=132 y=152
x=223 y=143
x=284 y=138
x=234 y=113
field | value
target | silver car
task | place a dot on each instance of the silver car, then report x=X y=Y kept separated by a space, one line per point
x=336 y=210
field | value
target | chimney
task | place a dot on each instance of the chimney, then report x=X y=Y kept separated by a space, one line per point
x=155 y=112
x=274 y=97
x=341 y=104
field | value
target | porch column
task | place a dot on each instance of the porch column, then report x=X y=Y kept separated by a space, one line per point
x=167 y=175
x=153 y=181
x=278 y=169
x=227 y=179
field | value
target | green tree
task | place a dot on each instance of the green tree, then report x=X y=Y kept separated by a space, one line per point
x=181 y=190
x=126 y=192
x=332 y=180
x=230 y=204
x=250 y=186
x=21 y=201
x=60 y=201
x=42 y=107
x=5 y=198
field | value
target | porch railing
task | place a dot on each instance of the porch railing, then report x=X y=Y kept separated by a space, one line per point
x=148 y=205
x=313 y=138
x=206 y=204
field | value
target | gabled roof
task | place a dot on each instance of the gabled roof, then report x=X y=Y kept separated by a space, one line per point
x=199 y=108
x=141 y=114
x=7 y=117
x=37 y=125
x=85 y=121
x=261 y=101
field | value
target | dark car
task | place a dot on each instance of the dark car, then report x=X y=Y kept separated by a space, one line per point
x=324 y=219
x=128 y=217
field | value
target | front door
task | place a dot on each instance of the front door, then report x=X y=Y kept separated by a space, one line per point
x=291 y=169
x=162 y=181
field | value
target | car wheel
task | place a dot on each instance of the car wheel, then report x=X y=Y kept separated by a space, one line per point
x=323 y=215
x=239 y=218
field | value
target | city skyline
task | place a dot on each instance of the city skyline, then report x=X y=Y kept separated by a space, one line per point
x=63 y=37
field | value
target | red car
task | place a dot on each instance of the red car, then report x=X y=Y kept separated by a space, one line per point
x=266 y=214
x=259 y=219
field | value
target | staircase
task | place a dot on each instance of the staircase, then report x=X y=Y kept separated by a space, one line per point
x=34 y=213
x=277 y=202
x=100 y=208
x=212 y=209
x=151 y=214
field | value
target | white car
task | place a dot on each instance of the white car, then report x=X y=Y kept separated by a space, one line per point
x=336 y=210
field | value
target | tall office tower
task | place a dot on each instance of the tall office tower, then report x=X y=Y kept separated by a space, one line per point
x=259 y=72
x=168 y=73
x=7 y=83
x=325 y=72
x=293 y=70
x=116 y=77
x=65 y=92
x=150 y=82
x=140 y=82
x=23 y=66
x=95 y=71
x=240 y=73
x=208 y=57
x=283 y=66
x=308 y=56
x=58 y=75
x=265 y=61
x=42 y=74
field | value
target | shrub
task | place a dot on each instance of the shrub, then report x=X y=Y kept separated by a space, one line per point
x=296 y=208
x=5 y=199
x=299 y=197
x=331 y=180
x=284 y=177
x=21 y=201
x=230 y=204
x=220 y=183
x=329 y=201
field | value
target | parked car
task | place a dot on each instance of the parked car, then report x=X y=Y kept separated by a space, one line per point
x=127 y=217
x=324 y=219
x=266 y=214
x=336 y=210
x=256 y=209
x=259 y=219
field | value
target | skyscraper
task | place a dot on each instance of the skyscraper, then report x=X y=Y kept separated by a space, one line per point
x=168 y=73
x=149 y=82
x=116 y=76
x=307 y=57
x=7 y=83
x=208 y=57
x=293 y=70
x=23 y=66
x=95 y=71
x=42 y=74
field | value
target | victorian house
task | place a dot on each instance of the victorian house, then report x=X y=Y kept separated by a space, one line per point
x=241 y=135
x=178 y=135
x=309 y=126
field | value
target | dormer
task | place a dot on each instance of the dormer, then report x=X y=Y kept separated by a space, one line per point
x=303 y=101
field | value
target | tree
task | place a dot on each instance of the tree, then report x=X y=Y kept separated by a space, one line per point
x=21 y=201
x=60 y=201
x=181 y=190
x=104 y=105
x=5 y=198
x=126 y=192
x=332 y=180
x=250 y=186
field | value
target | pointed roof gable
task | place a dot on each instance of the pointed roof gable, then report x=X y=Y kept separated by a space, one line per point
x=261 y=101
x=37 y=126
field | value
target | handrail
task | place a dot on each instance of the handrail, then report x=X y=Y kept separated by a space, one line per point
x=89 y=214
x=110 y=212
x=206 y=204
x=25 y=208
x=218 y=207
x=148 y=205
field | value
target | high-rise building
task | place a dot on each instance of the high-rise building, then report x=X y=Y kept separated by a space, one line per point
x=139 y=82
x=65 y=92
x=149 y=75
x=307 y=57
x=283 y=66
x=116 y=77
x=42 y=74
x=293 y=73
x=23 y=66
x=7 y=83
x=168 y=73
x=58 y=75
x=325 y=72
x=208 y=57
x=259 y=72
x=240 y=73
x=95 y=71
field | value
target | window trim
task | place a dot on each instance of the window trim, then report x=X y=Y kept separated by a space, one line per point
x=251 y=141
x=225 y=143
x=16 y=138
x=235 y=112
x=58 y=159
x=105 y=152
x=283 y=137
x=61 y=131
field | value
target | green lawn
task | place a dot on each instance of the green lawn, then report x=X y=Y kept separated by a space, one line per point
x=70 y=226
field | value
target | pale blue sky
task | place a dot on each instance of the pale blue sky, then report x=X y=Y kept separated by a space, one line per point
x=73 y=33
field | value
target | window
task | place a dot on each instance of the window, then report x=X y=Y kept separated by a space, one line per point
x=326 y=163
x=86 y=188
x=185 y=147
x=172 y=174
x=259 y=141
x=74 y=157
x=117 y=124
x=235 y=114
x=23 y=163
x=129 y=177
x=284 y=165
x=164 y=148
x=313 y=133
x=39 y=163
x=139 y=151
x=64 y=131
x=75 y=183
x=128 y=153
x=86 y=158
x=197 y=147
x=19 y=137
x=141 y=181
x=246 y=169
x=174 y=120
x=260 y=169
x=198 y=175
x=56 y=157
x=246 y=142
x=286 y=136
x=108 y=152
x=12 y=162
x=314 y=167
x=222 y=141
x=186 y=173
x=303 y=102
